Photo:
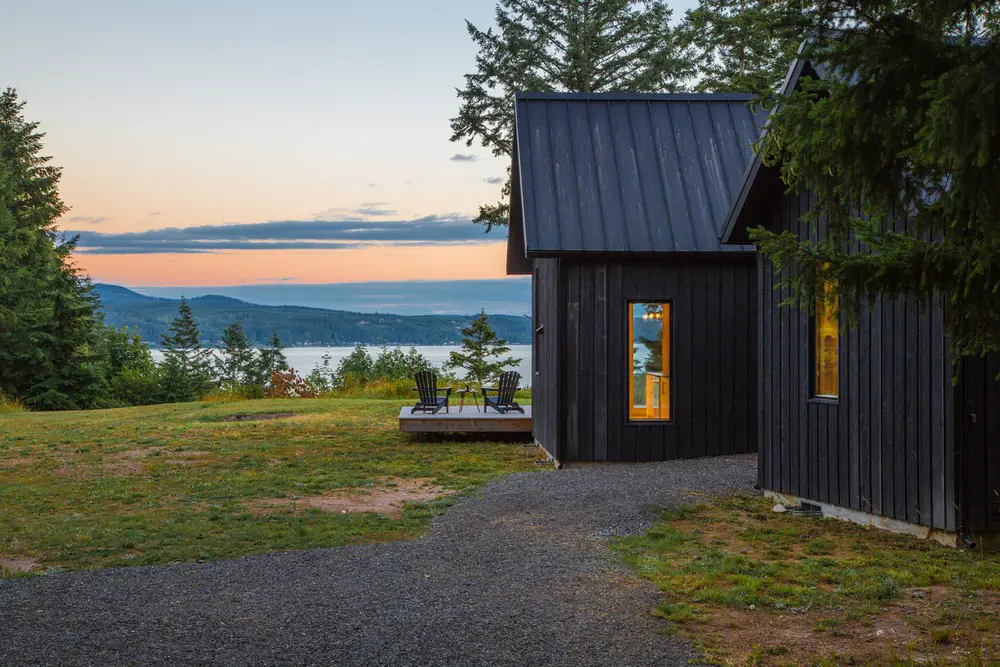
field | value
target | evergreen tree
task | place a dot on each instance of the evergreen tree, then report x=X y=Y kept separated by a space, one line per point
x=572 y=45
x=903 y=126
x=270 y=360
x=742 y=45
x=131 y=375
x=49 y=325
x=187 y=367
x=237 y=365
x=482 y=352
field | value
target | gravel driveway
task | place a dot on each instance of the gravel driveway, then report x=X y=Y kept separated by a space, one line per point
x=519 y=576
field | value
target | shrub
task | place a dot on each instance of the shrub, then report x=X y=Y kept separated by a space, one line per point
x=288 y=384
x=10 y=404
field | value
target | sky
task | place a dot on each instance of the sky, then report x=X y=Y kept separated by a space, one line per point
x=190 y=131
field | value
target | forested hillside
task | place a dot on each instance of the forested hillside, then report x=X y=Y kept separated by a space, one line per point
x=297 y=326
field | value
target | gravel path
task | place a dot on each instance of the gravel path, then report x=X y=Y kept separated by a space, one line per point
x=519 y=576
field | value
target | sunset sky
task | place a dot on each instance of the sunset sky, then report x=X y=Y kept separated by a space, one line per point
x=295 y=124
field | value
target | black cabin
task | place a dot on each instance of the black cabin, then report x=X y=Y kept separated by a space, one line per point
x=869 y=423
x=644 y=322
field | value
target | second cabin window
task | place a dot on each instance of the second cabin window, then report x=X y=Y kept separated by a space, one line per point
x=649 y=361
x=826 y=347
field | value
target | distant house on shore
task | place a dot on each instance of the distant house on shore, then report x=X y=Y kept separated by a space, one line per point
x=645 y=323
x=868 y=425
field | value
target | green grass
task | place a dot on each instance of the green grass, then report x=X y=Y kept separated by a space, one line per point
x=735 y=575
x=177 y=483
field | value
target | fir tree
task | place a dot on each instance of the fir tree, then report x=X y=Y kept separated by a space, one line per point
x=187 y=366
x=904 y=126
x=49 y=326
x=574 y=45
x=237 y=365
x=482 y=352
x=742 y=45
x=270 y=360
x=131 y=375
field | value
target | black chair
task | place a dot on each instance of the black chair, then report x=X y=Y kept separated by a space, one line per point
x=430 y=399
x=504 y=391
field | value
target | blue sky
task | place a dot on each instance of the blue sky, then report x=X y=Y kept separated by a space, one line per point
x=201 y=114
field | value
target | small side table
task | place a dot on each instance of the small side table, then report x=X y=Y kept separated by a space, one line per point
x=461 y=398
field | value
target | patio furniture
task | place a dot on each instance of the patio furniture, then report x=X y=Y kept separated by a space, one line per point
x=461 y=397
x=430 y=399
x=504 y=400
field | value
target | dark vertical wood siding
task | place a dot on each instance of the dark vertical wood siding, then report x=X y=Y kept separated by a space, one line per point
x=978 y=426
x=545 y=353
x=885 y=445
x=713 y=358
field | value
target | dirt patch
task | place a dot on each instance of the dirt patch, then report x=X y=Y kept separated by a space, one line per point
x=904 y=630
x=388 y=499
x=16 y=565
x=12 y=462
x=257 y=416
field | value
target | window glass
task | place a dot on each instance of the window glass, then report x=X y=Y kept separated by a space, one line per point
x=649 y=360
x=826 y=348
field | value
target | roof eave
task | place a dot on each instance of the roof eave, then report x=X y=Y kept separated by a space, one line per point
x=734 y=230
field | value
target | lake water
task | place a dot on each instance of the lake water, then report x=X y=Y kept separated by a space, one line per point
x=304 y=359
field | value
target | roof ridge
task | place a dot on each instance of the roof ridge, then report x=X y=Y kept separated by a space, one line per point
x=634 y=97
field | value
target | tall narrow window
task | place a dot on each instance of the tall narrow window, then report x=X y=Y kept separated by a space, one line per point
x=649 y=361
x=826 y=347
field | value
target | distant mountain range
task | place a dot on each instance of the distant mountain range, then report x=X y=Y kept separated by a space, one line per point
x=508 y=296
x=297 y=325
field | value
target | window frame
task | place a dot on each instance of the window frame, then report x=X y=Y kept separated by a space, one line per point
x=814 y=395
x=627 y=361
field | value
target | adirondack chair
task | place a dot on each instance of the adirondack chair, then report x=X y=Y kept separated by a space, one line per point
x=504 y=400
x=429 y=398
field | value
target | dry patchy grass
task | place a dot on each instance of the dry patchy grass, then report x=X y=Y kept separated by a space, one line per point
x=185 y=482
x=759 y=588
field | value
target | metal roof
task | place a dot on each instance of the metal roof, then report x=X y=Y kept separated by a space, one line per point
x=628 y=172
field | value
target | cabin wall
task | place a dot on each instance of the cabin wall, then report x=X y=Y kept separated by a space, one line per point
x=713 y=361
x=978 y=419
x=545 y=354
x=887 y=445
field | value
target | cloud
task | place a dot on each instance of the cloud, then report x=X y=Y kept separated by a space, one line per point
x=87 y=220
x=463 y=157
x=154 y=213
x=494 y=180
x=373 y=211
x=449 y=229
x=277 y=280
x=372 y=185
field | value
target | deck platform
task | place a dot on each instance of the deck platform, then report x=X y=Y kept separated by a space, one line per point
x=466 y=421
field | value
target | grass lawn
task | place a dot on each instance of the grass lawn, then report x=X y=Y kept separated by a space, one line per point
x=170 y=483
x=753 y=587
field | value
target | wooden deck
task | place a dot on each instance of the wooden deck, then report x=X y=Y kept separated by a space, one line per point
x=466 y=421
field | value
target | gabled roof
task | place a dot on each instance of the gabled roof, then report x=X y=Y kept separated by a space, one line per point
x=626 y=172
x=761 y=184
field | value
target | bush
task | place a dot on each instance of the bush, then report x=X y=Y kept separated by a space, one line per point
x=10 y=404
x=287 y=384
